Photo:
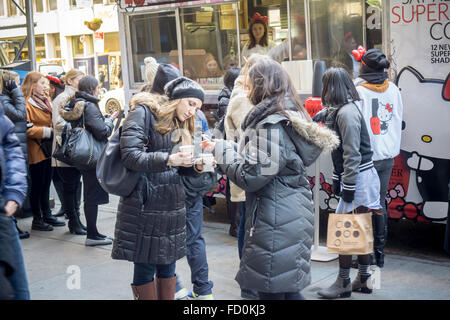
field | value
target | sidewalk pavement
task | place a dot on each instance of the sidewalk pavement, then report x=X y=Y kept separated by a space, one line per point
x=48 y=255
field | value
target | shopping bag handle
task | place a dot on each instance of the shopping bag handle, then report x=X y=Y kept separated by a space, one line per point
x=345 y=207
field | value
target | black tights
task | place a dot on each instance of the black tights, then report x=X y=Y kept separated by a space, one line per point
x=91 y=212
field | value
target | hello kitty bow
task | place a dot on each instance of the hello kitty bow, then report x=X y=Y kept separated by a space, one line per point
x=359 y=53
x=397 y=192
x=259 y=17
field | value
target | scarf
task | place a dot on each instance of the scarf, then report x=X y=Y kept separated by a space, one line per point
x=42 y=102
x=374 y=77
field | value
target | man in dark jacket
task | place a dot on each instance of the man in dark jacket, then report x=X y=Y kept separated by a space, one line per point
x=13 y=190
x=15 y=109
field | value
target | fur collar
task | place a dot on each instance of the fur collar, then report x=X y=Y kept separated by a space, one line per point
x=73 y=110
x=152 y=100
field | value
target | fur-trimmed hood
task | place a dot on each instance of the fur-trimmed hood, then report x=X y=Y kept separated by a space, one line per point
x=152 y=100
x=322 y=137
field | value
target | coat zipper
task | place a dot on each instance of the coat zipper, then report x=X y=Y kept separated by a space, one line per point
x=252 y=228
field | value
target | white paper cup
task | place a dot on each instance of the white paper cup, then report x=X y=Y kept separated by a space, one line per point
x=208 y=162
x=187 y=149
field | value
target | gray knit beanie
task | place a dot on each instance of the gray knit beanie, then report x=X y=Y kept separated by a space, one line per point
x=183 y=87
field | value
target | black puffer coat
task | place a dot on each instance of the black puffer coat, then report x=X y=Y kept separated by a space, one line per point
x=16 y=110
x=271 y=169
x=151 y=221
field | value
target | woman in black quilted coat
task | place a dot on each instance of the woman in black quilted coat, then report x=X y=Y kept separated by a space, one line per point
x=151 y=222
x=271 y=168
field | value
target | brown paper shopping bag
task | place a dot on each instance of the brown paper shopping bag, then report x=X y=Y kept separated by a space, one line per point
x=350 y=233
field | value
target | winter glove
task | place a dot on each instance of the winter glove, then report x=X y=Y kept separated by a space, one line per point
x=348 y=195
x=10 y=85
x=336 y=187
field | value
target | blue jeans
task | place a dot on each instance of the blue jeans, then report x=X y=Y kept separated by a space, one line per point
x=196 y=247
x=145 y=272
x=241 y=231
x=18 y=278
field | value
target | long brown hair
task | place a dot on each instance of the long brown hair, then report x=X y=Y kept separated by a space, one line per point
x=29 y=83
x=268 y=79
x=168 y=122
x=252 y=41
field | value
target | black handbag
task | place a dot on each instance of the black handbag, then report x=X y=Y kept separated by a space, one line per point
x=46 y=146
x=112 y=175
x=60 y=148
x=82 y=150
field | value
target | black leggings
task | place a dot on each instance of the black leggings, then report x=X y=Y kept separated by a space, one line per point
x=41 y=178
x=70 y=180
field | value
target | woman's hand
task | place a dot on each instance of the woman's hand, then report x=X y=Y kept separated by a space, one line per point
x=180 y=159
x=11 y=208
x=208 y=144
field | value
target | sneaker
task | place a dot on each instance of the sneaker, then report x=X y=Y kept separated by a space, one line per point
x=193 y=296
x=181 y=294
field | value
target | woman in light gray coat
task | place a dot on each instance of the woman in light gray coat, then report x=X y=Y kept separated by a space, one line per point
x=271 y=168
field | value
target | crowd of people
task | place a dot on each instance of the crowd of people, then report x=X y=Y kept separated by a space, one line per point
x=263 y=141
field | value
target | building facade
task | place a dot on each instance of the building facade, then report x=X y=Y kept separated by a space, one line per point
x=62 y=36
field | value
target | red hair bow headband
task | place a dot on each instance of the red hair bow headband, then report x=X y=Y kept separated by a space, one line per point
x=55 y=80
x=359 y=53
x=258 y=17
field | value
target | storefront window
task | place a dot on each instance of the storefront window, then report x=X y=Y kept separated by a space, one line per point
x=152 y=35
x=209 y=37
x=12 y=8
x=336 y=29
x=112 y=43
x=298 y=30
x=374 y=22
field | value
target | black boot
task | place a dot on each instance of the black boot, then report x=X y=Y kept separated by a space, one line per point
x=48 y=218
x=40 y=225
x=379 y=240
x=22 y=234
x=79 y=220
x=75 y=225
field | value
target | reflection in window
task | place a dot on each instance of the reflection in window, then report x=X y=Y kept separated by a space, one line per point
x=374 y=36
x=336 y=29
x=209 y=43
x=2 y=9
x=82 y=45
x=152 y=35
x=275 y=13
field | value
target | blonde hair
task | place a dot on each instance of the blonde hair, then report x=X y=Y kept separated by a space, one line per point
x=71 y=74
x=168 y=122
x=253 y=59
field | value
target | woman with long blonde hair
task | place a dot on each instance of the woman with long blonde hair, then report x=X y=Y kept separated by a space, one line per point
x=65 y=176
x=39 y=140
x=151 y=222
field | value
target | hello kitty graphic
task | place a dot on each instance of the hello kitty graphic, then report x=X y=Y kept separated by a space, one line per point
x=381 y=115
x=385 y=115
x=425 y=141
